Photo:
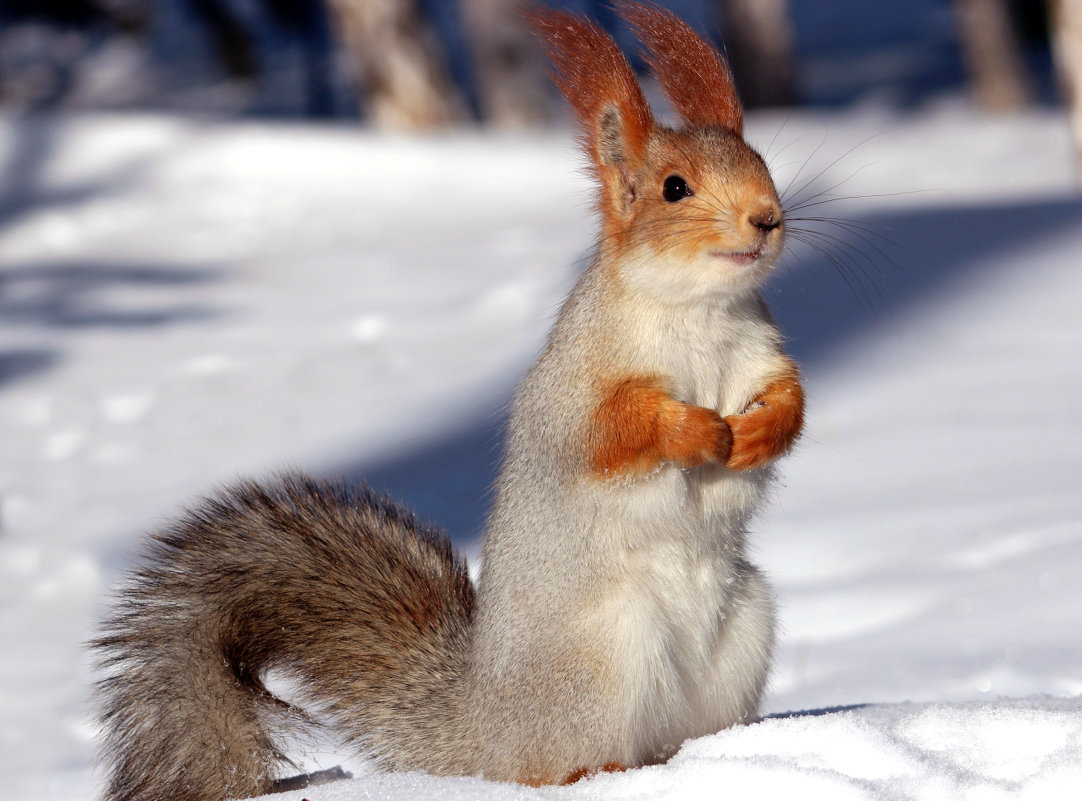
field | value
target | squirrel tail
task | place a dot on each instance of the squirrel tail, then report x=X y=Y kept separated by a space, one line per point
x=346 y=595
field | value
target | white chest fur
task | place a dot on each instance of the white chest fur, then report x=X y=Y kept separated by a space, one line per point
x=693 y=621
x=713 y=354
x=688 y=620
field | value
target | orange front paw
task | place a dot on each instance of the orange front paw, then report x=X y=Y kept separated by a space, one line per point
x=700 y=436
x=769 y=427
x=756 y=441
x=638 y=425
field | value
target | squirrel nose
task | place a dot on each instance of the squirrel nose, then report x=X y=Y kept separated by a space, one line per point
x=766 y=220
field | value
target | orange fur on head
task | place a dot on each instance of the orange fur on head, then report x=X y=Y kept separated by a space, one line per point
x=595 y=77
x=693 y=74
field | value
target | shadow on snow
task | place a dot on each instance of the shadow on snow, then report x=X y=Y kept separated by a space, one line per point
x=911 y=256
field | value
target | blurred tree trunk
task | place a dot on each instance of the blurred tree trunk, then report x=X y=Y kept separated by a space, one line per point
x=403 y=78
x=233 y=45
x=993 y=55
x=759 y=45
x=510 y=77
x=1067 y=49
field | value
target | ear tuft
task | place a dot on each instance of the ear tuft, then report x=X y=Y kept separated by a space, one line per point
x=597 y=80
x=693 y=74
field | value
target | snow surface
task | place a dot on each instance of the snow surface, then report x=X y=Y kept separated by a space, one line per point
x=184 y=301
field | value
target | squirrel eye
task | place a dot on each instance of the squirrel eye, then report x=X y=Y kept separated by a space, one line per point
x=675 y=188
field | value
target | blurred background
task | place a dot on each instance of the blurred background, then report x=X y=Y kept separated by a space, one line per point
x=424 y=64
x=242 y=235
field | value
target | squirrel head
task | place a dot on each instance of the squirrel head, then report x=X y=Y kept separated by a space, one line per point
x=685 y=211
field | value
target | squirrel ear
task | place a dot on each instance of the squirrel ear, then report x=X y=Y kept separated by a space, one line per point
x=601 y=87
x=693 y=74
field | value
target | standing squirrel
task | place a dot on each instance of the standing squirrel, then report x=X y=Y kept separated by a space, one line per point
x=617 y=614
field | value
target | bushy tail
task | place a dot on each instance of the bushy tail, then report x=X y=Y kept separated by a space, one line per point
x=362 y=607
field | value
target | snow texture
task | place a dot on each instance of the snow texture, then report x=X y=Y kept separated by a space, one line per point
x=184 y=301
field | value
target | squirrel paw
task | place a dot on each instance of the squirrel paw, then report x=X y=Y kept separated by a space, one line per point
x=705 y=436
x=585 y=773
x=769 y=426
x=757 y=439
x=638 y=426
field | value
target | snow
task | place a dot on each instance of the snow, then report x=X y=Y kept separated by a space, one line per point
x=183 y=301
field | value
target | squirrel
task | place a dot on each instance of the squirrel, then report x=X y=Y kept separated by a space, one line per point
x=616 y=614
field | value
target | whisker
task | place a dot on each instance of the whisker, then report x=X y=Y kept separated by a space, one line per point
x=823 y=198
x=795 y=197
x=766 y=151
x=848 y=259
x=844 y=267
x=867 y=233
x=796 y=176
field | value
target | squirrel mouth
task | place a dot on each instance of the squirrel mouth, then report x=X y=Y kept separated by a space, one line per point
x=743 y=258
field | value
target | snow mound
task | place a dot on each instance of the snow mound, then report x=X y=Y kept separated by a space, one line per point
x=1017 y=749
